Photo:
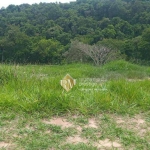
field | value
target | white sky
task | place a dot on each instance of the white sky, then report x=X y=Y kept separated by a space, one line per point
x=5 y=3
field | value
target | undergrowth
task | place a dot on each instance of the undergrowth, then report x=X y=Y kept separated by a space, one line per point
x=118 y=87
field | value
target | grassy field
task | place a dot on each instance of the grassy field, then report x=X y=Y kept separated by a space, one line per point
x=108 y=108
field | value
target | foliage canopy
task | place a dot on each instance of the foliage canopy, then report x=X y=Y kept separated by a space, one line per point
x=25 y=28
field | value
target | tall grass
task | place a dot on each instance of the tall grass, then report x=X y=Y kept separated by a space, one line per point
x=36 y=89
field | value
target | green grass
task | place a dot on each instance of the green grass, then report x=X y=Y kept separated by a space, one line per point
x=35 y=89
x=31 y=93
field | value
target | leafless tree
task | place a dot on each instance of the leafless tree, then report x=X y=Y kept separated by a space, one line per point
x=74 y=54
x=98 y=53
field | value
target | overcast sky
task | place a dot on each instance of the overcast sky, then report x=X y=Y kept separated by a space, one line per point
x=5 y=3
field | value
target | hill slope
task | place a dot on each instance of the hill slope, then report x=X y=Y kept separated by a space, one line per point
x=26 y=30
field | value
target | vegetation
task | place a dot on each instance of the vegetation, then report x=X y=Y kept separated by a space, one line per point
x=109 y=106
x=41 y=33
x=34 y=89
x=100 y=111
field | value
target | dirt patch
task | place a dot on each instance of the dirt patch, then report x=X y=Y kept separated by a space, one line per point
x=76 y=139
x=4 y=145
x=107 y=144
x=28 y=127
x=136 y=124
x=79 y=128
x=65 y=124
x=120 y=120
x=92 y=124
x=59 y=122
x=100 y=144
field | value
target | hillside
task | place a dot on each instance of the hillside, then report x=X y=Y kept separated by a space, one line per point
x=41 y=33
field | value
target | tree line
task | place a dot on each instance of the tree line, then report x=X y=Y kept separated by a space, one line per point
x=42 y=33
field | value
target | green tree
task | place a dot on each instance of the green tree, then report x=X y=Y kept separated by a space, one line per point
x=144 y=45
x=48 y=51
x=109 y=32
x=18 y=45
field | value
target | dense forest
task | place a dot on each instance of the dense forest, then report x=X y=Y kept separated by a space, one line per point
x=42 y=33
